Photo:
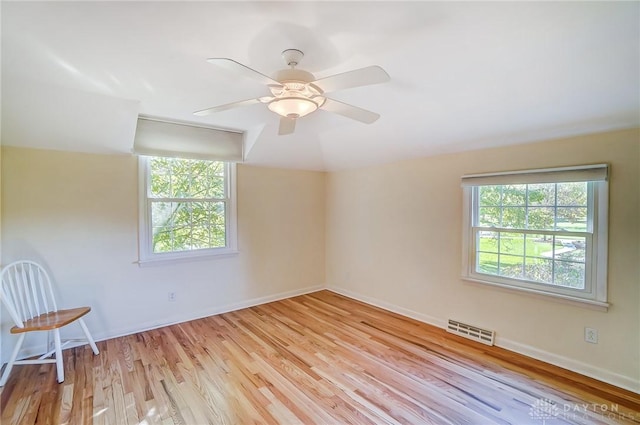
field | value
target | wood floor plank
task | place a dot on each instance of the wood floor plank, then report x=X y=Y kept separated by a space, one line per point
x=319 y=358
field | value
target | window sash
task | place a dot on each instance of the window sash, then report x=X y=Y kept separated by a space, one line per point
x=188 y=199
x=152 y=201
x=523 y=282
x=475 y=214
x=146 y=253
x=530 y=231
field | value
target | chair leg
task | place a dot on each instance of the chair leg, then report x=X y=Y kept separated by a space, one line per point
x=12 y=360
x=59 y=364
x=92 y=343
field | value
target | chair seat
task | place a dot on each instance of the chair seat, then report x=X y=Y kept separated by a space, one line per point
x=51 y=320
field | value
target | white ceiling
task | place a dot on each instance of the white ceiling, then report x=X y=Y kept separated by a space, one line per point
x=464 y=75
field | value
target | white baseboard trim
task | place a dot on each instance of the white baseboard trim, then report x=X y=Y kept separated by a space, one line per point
x=573 y=365
x=37 y=350
x=600 y=374
x=421 y=317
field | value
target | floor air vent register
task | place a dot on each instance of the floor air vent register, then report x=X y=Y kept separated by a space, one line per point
x=472 y=332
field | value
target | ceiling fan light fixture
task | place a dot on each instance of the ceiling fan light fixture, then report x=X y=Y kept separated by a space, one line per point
x=293 y=107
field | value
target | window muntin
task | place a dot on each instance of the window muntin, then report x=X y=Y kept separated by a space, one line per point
x=542 y=237
x=188 y=208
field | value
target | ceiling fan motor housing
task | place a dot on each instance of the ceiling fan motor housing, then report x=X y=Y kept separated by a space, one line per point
x=292 y=74
x=296 y=97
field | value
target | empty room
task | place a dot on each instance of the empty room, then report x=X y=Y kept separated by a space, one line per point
x=320 y=212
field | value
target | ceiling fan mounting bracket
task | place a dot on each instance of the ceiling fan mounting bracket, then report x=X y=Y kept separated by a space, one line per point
x=292 y=57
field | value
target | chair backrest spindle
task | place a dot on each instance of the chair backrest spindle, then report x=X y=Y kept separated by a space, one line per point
x=35 y=280
x=28 y=290
x=52 y=298
x=12 y=284
x=20 y=281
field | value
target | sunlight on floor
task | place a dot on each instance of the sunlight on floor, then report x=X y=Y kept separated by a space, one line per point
x=151 y=413
x=99 y=412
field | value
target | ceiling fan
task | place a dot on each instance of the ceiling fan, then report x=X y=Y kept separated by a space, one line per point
x=296 y=93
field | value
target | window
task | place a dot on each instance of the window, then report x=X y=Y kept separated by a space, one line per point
x=542 y=231
x=187 y=208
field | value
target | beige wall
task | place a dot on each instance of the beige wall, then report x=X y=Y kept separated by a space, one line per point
x=1 y=262
x=394 y=239
x=1 y=222
x=77 y=213
x=391 y=235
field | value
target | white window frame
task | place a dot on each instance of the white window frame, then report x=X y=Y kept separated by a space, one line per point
x=145 y=237
x=595 y=292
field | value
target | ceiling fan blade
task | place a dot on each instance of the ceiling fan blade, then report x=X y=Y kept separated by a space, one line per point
x=349 y=111
x=220 y=108
x=238 y=68
x=356 y=78
x=287 y=126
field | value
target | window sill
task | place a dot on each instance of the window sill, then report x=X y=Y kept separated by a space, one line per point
x=161 y=260
x=565 y=299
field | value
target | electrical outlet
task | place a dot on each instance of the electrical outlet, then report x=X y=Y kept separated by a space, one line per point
x=172 y=296
x=591 y=335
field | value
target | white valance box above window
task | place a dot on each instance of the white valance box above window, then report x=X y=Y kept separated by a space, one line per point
x=155 y=137
x=584 y=173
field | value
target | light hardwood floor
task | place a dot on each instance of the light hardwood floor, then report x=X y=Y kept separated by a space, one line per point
x=314 y=359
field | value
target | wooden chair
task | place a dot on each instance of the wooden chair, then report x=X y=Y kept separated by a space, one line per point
x=27 y=294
